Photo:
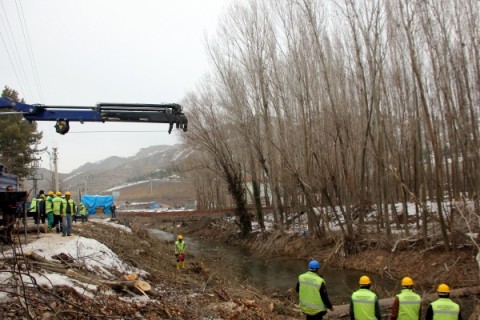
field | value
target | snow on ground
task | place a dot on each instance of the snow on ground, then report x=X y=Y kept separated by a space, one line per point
x=111 y=224
x=93 y=255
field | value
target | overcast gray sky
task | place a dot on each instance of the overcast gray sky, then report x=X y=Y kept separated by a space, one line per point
x=81 y=52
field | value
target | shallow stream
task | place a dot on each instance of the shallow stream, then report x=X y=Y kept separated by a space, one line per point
x=277 y=275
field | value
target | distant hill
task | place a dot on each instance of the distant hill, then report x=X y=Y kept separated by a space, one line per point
x=150 y=175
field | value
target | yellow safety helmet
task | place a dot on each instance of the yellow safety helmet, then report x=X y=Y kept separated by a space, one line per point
x=180 y=237
x=59 y=193
x=443 y=288
x=364 y=280
x=67 y=193
x=50 y=193
x=407 y=281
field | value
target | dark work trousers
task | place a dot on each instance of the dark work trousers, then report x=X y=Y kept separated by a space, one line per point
x=57 y=222
x=318 y=316
x=8 y=226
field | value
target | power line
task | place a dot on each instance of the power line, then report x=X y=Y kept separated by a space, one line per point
x=28 y=43
x=11 y=61
x=16 y=51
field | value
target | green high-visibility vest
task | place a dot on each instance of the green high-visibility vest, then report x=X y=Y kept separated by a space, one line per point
x=309 y=293
x=179 y=246
x=57 y=205
x=409 y=305
x=49 y=204
x=364 y=304
x=445 y=309
x=33 y=205
x=83 y=209
x=68 y=203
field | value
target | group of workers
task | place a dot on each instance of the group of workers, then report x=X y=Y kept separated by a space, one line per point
x=57 y=210
x=364 y=305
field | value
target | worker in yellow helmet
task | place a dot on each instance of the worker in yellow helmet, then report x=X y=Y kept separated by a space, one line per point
x=49 y=209
x=443 y=308
x=364 y=303
x=69 y=209
x=180 y=252
x=407 y=303
x=57 y=211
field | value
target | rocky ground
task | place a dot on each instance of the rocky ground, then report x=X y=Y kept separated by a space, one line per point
x=202 y=291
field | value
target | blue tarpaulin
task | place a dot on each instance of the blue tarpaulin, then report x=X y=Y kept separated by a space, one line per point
x=95 y=201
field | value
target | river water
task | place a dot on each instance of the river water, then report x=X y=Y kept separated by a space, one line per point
x=277 y=275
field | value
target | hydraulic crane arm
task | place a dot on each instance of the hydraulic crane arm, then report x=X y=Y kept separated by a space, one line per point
x=122 y=112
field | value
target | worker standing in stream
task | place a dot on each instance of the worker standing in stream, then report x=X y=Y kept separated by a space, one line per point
x=180 y=252
x=407 y=303
x=312 y=293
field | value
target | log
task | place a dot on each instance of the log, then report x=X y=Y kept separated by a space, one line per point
x=130 y=277
x=139 y=285
x=114 y=284
x=30 y=228
x=386 y=303
x=36 y=257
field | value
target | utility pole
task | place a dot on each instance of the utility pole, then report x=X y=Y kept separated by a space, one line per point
x=55 y=169
x=35 y=176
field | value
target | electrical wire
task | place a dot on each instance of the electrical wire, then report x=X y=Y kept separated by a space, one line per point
x=17 y=52
x=20 y=83
x=28 y=43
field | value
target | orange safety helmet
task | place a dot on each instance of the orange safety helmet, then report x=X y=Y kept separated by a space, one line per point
x=59 y=193
x=67 y=193
x=51 y=193
x=407 y=281
x=364 y=280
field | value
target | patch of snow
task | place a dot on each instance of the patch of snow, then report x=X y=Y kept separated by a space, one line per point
x=109 y=222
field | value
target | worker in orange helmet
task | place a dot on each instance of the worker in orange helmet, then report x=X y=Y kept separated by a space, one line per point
x=443 y=308
x=180 y=252
x=364 y=303
x=407 y=304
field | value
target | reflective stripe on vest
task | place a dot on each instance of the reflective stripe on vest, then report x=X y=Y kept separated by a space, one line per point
x=409 y=304
x=364 y=304
x=309 y=293
x=445 y=309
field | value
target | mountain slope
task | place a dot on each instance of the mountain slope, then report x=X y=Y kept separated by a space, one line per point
x=148 y=176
